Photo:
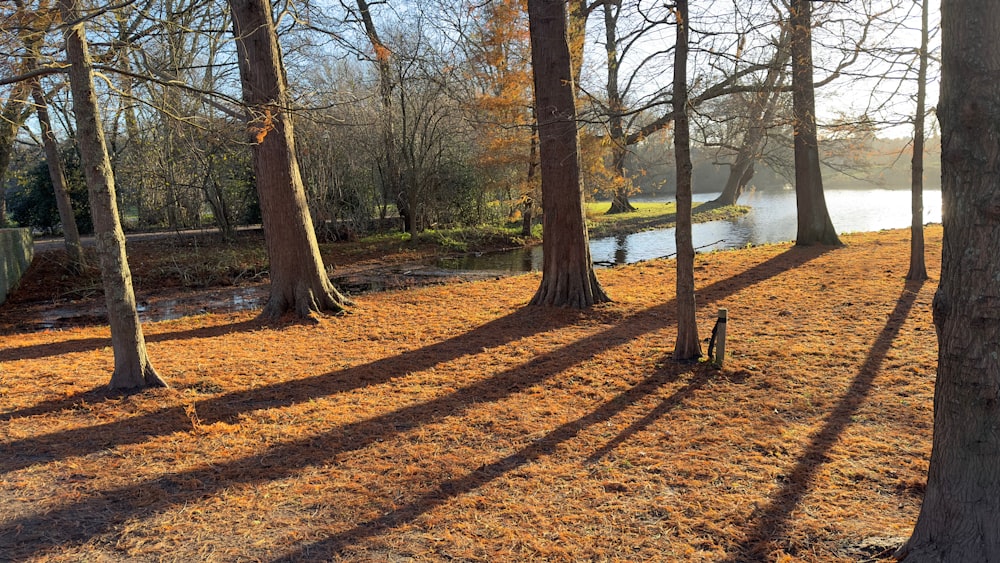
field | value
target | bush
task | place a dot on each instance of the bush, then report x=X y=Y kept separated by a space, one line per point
x=32 y=200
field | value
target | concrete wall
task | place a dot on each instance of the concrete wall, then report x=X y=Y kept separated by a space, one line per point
x=16 y=252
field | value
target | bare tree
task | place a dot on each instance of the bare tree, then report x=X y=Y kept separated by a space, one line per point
x=71 y=234
x=761 y=108
x=687 y=346
x=615 y=105
x=568 y=277
x=299 y=282
x=918 y=268
x=958 y=518
x=132 y=366
x=12 y=116
x=392 y=178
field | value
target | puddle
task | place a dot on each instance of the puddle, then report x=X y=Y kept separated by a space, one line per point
x=213 y=301
x=182 y=303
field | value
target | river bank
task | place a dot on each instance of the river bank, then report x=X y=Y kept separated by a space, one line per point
x=192 y=272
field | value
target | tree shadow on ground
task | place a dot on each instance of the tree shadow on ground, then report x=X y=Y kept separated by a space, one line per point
x=76 y=400
x=39 y=351
x=104 y=510
x=771 y=526
x=333 y=546
x=227 y=407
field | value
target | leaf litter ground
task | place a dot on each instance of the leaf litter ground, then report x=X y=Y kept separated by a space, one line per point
x=455 y=423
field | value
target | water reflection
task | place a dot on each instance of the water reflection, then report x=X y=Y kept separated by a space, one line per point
x=517 y=260
x=772 y=219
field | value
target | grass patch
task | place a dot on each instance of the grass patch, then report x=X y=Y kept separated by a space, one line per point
x=652 y=215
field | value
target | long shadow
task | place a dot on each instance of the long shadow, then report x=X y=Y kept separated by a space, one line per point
x=666 y=405
x=328 y=548
x=227 y=407
x=31 y=535
x=38 y=351
x=104 y=510
x=772 y=524
x=90 y=396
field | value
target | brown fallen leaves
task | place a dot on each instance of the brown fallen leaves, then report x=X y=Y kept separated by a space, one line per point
x=455 y=423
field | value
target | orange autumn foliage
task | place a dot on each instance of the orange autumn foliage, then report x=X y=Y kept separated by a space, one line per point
x=455 y=423
x=502 y=105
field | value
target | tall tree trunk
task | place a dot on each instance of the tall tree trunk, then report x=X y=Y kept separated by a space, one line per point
x=132 y=366
x=568 y=277
x=619 y=200
x=814 y=224
x=959 y=520
x=299 y=282
x=687 y=346
x=71 y=234
x=918 y=268
x=11 y=118
x=393 y=179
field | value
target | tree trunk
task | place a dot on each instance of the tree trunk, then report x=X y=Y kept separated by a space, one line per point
x=299 y=282
x=959 y=520
x=762 y=108
x=619 y=200
x=11 y=119
x=576 y=37
x=393 y=178
x=568 y=277
x=528 y=204
x=687 y=346
x=814 y=224
x=918 y=268
x=71 y=234
x=132 y=366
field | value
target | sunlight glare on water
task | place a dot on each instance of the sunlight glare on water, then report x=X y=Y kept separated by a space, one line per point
x=772 y=219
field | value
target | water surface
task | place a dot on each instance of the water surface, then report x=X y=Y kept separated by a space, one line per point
x=772 y=218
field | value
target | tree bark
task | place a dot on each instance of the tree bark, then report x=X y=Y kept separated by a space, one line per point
x=528 y=203
x=11 y=119
x=568 y=277
x=576 y=34
x=687 y=346
x=918 y=267
x=299 y=282
x=132 y=366
x=619 y=200
x=814 y=224
x=763 y=105
x=959 y=520
x=393 y=179
x=71 y=234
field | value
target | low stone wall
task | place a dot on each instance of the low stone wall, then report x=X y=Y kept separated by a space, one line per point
x=16 y=252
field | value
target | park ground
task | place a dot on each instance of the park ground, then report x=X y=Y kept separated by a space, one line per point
x=454 y=422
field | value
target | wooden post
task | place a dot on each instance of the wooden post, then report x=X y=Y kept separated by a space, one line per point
x=720 y=345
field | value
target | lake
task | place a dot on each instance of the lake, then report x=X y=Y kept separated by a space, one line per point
x=772 y=218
